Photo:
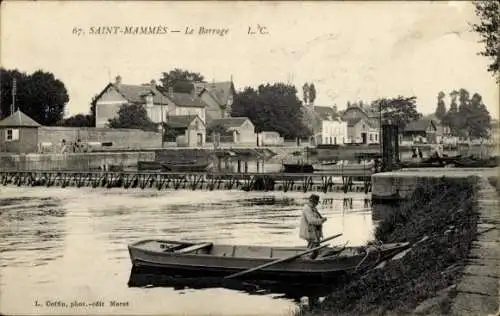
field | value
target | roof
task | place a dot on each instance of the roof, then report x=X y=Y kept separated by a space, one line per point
x=180 y=121
x=229 y=122
x=419 y=126
x=368 y=111
x=353 y=121
x=432 y=117
x=19 y=119
x=136 y=93
x=186 y=100
x=220 y=91
x=325 y=112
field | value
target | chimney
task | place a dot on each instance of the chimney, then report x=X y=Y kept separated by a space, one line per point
x=118 y=80
x=171 y=92
x=153 y=83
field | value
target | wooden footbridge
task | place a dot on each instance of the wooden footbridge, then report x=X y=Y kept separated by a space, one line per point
x=335 y=181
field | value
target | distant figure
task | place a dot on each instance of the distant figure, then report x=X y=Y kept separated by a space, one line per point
x=63 y=146
x=420 y=153
x=311 y=224
x=414 y=152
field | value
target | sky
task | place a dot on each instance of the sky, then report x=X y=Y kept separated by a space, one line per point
x=350 y=50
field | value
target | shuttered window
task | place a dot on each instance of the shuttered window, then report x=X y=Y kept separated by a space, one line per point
x=12 y=134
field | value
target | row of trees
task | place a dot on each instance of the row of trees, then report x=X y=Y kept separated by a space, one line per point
x=40 y=95
x=467 y=116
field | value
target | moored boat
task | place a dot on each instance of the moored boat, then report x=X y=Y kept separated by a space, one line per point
x=298 y=168
x=209 y=259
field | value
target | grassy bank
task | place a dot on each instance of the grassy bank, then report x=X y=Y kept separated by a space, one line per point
x=444 y=213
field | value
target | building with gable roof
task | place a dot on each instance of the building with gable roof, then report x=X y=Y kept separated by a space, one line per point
x=363 y=124
x=218 y=96
x=421 y=131
x=189 y=130
x=241 y=129
x=18 y=133
x=116 y=94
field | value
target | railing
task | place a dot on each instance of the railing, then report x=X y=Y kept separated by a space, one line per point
x=347 y=181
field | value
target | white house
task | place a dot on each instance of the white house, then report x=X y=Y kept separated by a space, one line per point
x=325 y=125
x=333 y=132
x=116 y=94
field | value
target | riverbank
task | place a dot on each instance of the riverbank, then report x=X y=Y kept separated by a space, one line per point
x=441 y=218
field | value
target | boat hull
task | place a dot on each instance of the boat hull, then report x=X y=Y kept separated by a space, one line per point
x=223 y=264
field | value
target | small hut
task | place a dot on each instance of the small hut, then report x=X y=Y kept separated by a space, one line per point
x=18 y=133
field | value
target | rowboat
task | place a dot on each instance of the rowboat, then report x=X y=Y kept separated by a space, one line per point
x=219 y=260
x=297 y=168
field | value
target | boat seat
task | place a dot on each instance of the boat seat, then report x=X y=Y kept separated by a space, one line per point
x=195 y=247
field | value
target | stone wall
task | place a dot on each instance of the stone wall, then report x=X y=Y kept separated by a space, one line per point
x=120 y=138
x=386 y=185
x=73 y=161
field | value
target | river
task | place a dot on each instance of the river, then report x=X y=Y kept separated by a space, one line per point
x=70 y=245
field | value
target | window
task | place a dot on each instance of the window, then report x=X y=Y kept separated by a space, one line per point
x=371 y=136
x=12 y=134
x=376 y=136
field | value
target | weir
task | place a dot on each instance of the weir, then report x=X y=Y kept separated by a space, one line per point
x=341 y=181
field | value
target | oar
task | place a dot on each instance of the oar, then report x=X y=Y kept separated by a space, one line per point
x=282 y=259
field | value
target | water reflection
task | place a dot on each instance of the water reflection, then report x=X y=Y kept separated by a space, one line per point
x=71 y=242
x=31 y=224
x=149 y=277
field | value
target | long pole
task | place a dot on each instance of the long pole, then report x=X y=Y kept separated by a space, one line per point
x=283 y=259
x=162 y=129
x=13 y=106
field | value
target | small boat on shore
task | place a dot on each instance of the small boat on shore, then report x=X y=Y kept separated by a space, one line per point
x=221 y=260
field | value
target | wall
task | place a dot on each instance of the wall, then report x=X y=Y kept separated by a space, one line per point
x=404 y=182
x=121 y=138
x=73 y=161
x=27 y=142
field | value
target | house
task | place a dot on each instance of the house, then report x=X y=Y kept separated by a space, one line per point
x=325 y=125
x=241 y=128
x=185 y=104
x=358 y=110
x=420 y=131
x=360 y=130
x=186 y=130
x=116 y=94
x=218 y=97
x=18 y=133
x=443 y=131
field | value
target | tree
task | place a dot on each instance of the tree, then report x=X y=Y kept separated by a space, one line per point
x=133 y=116
x=40 y=95
x=217 y=129
x=305 y=93
x=441 y=106
x=489 y=14
x=451 y=118
x=399 y=110
x=475 y=120
x=312 y=93
x=272 y=108
x=180 y=80
x=79 y=120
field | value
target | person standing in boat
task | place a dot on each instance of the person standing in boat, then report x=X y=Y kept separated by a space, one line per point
x=311 y=224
